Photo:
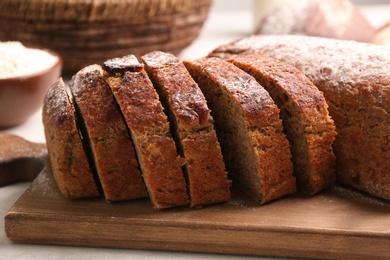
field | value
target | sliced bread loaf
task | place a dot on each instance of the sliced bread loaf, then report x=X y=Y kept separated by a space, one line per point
x=305 y=118
x=254 y=147
x=111 y=147
x=193 y=128
x=68 y=160
x=355 y=80
x=149 y=128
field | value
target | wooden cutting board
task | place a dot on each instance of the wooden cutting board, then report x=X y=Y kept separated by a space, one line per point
x=337 y=223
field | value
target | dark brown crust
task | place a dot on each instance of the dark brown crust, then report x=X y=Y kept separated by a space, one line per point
x=121 y=65
x=241 y=107
x=193 y=127
x=185 y=97
x=306 y=121
x=354 y=78
x=112 y=149
x=149 y=129
x=67 y=157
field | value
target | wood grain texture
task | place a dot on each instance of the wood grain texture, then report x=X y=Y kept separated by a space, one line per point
x=337 y=223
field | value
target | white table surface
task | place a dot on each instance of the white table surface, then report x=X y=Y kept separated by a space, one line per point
x=221 y=27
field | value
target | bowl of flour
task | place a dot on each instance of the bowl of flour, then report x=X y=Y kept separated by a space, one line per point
x=25 y=76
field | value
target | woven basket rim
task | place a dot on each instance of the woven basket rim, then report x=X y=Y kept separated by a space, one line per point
x=94 y=10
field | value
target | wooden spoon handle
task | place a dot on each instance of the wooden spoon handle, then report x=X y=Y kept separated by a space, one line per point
x=20 y=160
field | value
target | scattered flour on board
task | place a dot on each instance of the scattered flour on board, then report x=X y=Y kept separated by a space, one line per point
x=17 y=60
x=43 y=185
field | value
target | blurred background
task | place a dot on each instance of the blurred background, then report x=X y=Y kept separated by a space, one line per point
x=86 y=32
x=221 y=5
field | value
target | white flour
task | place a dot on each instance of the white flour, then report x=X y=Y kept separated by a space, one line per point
x=17 y=60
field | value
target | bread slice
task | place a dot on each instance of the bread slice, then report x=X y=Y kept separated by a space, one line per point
x=355 y=80
x=68 y=160
x=112 y=149
x=149 y=128
x=304 y=112
x=254 y=147
x=192 y=128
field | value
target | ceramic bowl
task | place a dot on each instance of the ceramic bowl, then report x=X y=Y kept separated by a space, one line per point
x=22 y=96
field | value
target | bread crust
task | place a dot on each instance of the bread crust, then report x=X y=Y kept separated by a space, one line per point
x=68 y=160
x=111 y=147
x=255 y=150
x=193 y=128
x=304 y=112
x=149 y=128
x=355 y=80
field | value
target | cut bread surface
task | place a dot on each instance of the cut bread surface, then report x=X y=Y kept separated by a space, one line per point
x=68 y=159
x=355 y=80
x=255 y=150
x=304 y=112
x=192 y=127
x=111 y=147
x=149 y=129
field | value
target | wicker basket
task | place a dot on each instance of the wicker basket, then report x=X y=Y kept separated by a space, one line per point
x=85 y=32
